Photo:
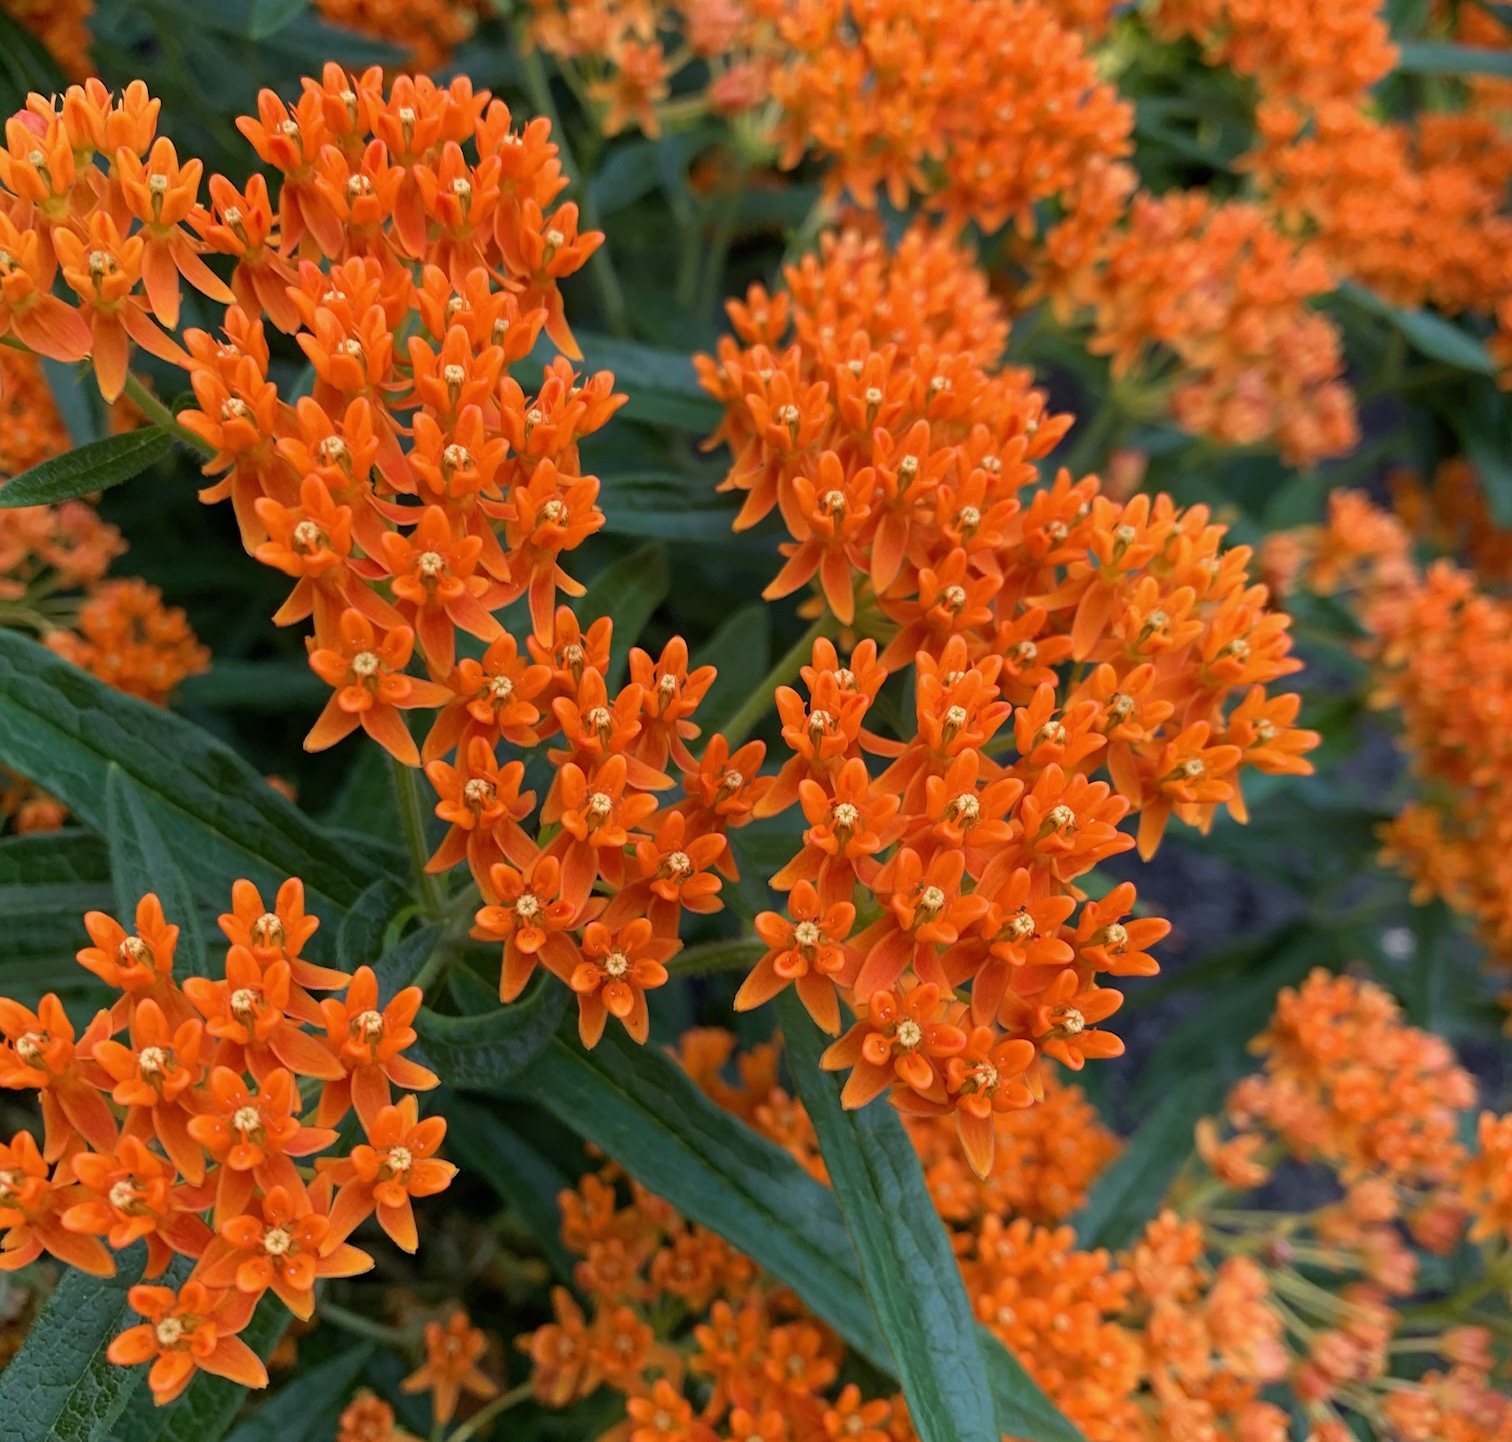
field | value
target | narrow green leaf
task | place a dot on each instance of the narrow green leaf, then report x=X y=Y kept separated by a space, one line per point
x=360 y=938
x=270 y=687
x=667 y=506
x=207 y=1409
x=1429 y=333
x=62 y=728
x=25 y=65
x=1022 y=1409
x=1130 y=1192
x=907 y=1265
x=662 y=385
x=87 y=469
x=306 y=1408
x=140 y=861
x=640 y=1108
x=271 y=16
x=61 y=1387
x=485 y=1145
x=742 y=650
x=79 y=403
x=71 y=861
x=492 y=1048
x=736 y=954
x=1433 y=57
x=627 y=591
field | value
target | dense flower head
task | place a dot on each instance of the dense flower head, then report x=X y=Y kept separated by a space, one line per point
x=1202 y=306
x=1348 y=1082
x=177 y=1117
x=1292 y=50
x=1212 y=1319
x=901 y=461
x=1440 y=642
x=427 y=32
x=62 y=26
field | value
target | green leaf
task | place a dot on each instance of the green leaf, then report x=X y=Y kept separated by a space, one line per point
x=1023 y=1410
x=907 y=1265
x=484 y=1145
x=62 y=728
x=490 y=1049
x=271 y=16
x=666 y=505
x=69 y=863
x=47 y=883
x=640 y=1108
x=206 y=1409
x=1130 y=1192
x=87 y=469
x=733 y=954
x=1432 y=57
x=140 y=861
x=267 y=687
x=306 y=1408
x=742 y=650
x=627 y=591
x=1429 y=333
x=25 y=66
x=662 y=385
x=61 y=1387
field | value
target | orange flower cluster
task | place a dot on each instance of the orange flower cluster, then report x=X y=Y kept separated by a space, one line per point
x=1291 y=49
x=1416 y=219
x=129 y=639
x=896 y=456
x=1442 y=650
x=1450 y=514
x=1349 y=1087
x=176 y=1118
x=369 y=1419
x=1215 y=288
x=1163 y=1341
x=33 y=429
x=395 y=549
x=61 y=25
x=627 y=55
x=984 y=109
x=426 y=30
x=1348 y=1083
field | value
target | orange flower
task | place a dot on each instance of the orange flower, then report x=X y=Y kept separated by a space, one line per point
x=616 y=971
x=191 y=1330
x=31 y=1212
x=397 y=1163
x=903 y=1034
x=285 y=1246
x=367 y=1043
x=529 y=914
x=371 y=688
x=254 y=1136
x=809 y=952
x=140 y=966
x=131 y=1196
x=452 y=1353
x=39 y=1052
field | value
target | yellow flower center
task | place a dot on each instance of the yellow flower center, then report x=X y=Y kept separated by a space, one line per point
x=806 y=934
x=246 y=1120
x=268 y=929
x=616 y=964
x=153 y=1061
x=277 y=1242
x=430 y=564
x=527 y=908
x=368 y=1024
x=366 y=663
x=31 y=1049
x=599 y=808
x=909 y=1034
x=122 y=1195
x=169 y=1332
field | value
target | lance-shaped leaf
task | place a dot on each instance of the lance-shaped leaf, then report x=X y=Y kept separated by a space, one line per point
x=87 y=469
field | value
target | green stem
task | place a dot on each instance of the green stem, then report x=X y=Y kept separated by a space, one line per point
x=481 y=1418
x=725 y=219
x=412 y=818
x=360 y=1326
x=159 y=414
x=600 y=268
x=761 y=700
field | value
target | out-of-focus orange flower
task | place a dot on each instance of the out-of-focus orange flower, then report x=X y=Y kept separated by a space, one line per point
x=452 y=1353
